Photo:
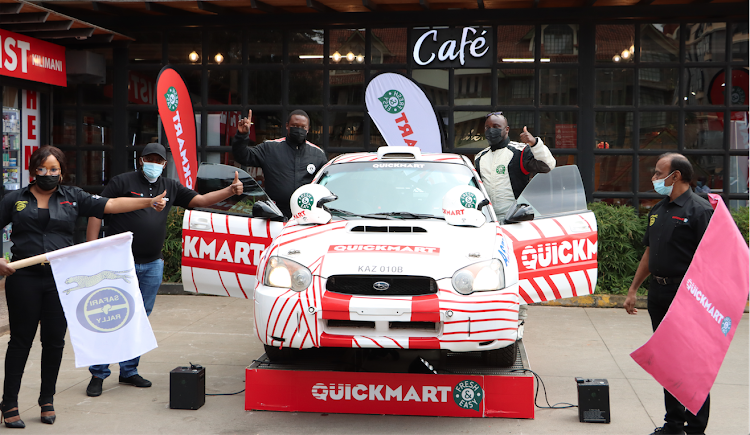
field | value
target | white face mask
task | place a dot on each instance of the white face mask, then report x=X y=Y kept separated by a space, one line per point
x=660 y=188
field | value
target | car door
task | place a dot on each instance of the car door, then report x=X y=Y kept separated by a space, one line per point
x=222 y=244
x=556 y=251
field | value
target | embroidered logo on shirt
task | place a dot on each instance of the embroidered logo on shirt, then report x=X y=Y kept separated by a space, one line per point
x=680 y=219
x=66 y=202
x=500 y=169
x=652 y=219
x=310 y=169
x=136 y=193
x=20 y=205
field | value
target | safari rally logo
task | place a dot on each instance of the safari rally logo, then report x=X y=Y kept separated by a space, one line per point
x=393 y=101
x=105 y=309
x=305 y=201
x=172 y=99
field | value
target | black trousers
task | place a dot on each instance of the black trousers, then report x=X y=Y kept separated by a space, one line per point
x=659 y=299
x=32 y=299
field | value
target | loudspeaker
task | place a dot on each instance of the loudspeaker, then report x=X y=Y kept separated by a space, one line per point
x=187 y=387
x=593 y=400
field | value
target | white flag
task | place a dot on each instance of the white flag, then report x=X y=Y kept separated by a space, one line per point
x=402 y=113
x=99 y=293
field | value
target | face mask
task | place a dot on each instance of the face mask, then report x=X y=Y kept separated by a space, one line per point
x=152 y=170
x=47 y=182
x=296 y=136
x=494 y=135
x=660 y=188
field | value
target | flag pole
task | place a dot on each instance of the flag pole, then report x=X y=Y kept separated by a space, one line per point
x=31 y=261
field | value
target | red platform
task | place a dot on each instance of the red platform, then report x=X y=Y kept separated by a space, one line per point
x=468 y=391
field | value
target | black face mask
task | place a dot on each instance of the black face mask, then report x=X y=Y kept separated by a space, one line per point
x=47 y=182
x=296 y=136
x=494 y=135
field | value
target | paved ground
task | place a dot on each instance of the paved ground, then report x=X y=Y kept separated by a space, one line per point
x=562 y=343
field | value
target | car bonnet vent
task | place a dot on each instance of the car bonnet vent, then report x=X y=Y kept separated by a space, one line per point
x=408 y=153
x=378 y=229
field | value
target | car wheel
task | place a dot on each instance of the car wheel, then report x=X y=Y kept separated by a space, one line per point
x=280 y=355
x=503 y=357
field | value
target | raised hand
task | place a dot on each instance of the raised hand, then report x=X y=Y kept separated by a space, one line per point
x=159 y=202
x=237 y=186
x=527 y=137
x=243 y=126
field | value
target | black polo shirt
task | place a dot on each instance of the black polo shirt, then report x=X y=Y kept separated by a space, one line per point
x=149 y=227
x=65 y=205
x=674 y=230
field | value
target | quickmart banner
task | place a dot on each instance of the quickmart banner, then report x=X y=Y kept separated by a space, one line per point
x=402 y=113
x=176 y=113
x=102 y=302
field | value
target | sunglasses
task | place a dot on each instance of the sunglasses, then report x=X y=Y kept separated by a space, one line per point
x=493 y=114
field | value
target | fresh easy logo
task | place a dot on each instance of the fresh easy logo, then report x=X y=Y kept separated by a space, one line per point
x=105 y=310
x=468 y=200
x=305 y=201
x=393 y=101
x=726 y=325
x=172 y=99
x=468 y=395
x=384 y=393
x=554 y=253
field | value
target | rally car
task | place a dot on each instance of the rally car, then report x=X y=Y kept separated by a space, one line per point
x=394 y=249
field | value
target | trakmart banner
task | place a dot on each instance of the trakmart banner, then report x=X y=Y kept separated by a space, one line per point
x=402 y=113
x=99 y=293
x=176 y=113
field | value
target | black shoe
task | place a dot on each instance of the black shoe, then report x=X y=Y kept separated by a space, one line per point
x=136 y=381
x=663 y=431
x=12 y=412
x=50 y=419
x=95 y=387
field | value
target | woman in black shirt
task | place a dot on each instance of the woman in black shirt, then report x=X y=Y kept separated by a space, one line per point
x=43 y=216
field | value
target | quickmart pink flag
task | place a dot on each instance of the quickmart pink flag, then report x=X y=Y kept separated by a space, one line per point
x=686 y=351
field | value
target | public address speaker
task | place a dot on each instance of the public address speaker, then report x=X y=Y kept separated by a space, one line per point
x=593 y=400
x=187 y=387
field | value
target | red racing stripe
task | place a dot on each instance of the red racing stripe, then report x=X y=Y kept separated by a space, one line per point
x=425 y=308
x=424 y=343
x=539 y=291
x=335 y=306
x=561 y=227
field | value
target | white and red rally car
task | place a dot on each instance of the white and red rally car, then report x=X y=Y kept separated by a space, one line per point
x=393 y=249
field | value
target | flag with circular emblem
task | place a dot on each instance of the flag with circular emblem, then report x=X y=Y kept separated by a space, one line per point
x=99 y=293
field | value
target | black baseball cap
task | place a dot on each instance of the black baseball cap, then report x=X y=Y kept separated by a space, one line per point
x=155 y=148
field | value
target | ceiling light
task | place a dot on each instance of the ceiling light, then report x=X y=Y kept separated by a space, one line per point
x=632 y=49
x=219 y=58
x=360 y=58
x=336 y=56
x=193 y=57
x=350 y=56
x=616 y=58
x=625 y=54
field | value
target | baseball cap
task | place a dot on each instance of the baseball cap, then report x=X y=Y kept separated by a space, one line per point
x=155 y=148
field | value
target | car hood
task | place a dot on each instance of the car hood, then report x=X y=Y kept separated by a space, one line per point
x=395 y=247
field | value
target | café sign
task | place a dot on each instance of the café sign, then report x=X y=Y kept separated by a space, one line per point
x=28 y=58
x=452 y=48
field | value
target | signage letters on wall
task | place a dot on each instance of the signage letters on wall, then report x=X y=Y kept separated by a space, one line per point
x=28 y=58
x=452 y=48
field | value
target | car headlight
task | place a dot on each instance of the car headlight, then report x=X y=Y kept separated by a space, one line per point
x=478 y=277
x=285 y=273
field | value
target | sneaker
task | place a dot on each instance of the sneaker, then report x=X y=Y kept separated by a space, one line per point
x=136 y=381
x=95 y=387
x=663 y=431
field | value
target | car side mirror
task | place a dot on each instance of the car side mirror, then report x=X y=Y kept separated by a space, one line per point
x=483 y=203
x=326 y=200
x=522 y=212
x=267 y=210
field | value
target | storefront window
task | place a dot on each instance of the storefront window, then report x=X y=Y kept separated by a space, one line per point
x=704 y=130
x=704 y=86
x=97 y=128
x=738 y=175
x=469 y=130
x=347 y=47
x=708 y=174
x=472 y=87
x=515 y=44
x=142 y=87
x=515 y=86
x=346 y=87
x=660 y=42
x=147 y=48
x=659 y=130
x=224 y=86
x=435 y=84
x=613 y=173
x=63 y=127
x=265 y=46
x=560 y=43
x=305 y=87
x=614 y=43
x=266 y=126
x=658 y=87
x=614 y=87
x=185 y=47
x=738 y=131
x=142 y=127
x=706 y=42
x=646 y=167
x=95 y=168
x=264 y=87
x=565 y=159
x=306 y=46
x=613 y=130
x=225 y=47
x=740 y=39
x=193 y=79
x=376 y=138
x=315 y=135
x=558 y=87
x=558 y=129
x=346 y=129
x=389 y=46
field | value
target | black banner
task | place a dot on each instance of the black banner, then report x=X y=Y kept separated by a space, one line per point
x=469 y=47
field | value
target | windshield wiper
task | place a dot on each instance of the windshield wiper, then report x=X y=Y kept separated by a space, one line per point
x=409 y=215
x=368 y=216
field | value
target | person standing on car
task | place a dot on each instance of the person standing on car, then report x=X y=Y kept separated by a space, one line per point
x=149 y=232
x=675 y=228
x=287 y=163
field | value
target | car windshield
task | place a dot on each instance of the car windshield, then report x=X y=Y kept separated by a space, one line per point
x=401 y=189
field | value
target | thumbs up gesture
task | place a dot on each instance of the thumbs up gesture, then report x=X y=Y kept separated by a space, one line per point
x=237 y=187
x=158 y=203
x=244 y=125
x=527 y=137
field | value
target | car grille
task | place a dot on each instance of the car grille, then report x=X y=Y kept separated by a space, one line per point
x=397 y=285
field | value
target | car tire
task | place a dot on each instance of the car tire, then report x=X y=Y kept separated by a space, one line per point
x=280 y=355
x=501 y=358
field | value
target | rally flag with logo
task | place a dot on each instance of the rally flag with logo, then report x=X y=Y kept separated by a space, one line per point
x=176 y=113
x=402 y=113
x=99 y=293
x=686 y=351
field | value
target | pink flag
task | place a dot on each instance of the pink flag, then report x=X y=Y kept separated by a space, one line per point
x=686 y=351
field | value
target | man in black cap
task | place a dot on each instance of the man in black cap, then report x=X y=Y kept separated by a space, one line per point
x=149 y=231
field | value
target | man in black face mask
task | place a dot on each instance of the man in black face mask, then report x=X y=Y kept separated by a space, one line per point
x=505 y=165
x=287 y=163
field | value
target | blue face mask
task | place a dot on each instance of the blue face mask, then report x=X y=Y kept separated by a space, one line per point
x=660 y=188
x=152 y=170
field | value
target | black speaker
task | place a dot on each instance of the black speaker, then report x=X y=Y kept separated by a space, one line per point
x=187 y=387
x=593 y=400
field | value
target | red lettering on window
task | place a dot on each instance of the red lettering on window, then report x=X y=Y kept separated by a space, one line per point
x=31 y=120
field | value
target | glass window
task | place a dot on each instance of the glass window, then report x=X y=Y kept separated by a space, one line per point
x=558 y=130
x=305 y=87
x=346 y=87
x=147 y=48
x=704 y=130
x=376 y=137
x=738 y=174
x=315 y=135
x=224 y=86
x=708 y=174
x=97 y=128
x=515 y=86
x=95 y=168
x=185 y=47
x=306 y=46
x=738 y=131
x=706 y=42
x=560 y=43
x=347 y=46
x=740 y=42
x=222 y=126
x=142 y=127
x=389 y=46
x=614 y=130
x=645 y=205
x=565 y=159
x=346 y=129
x=469 y=130
x=517 y=120
x=434 y=83
x=266 y=126
x=558 y=87
x=472 y=87
x=65 y=96
x=659 y=130
x=614 y=43
x=193 y=80
x=265 y=46
x=658 y=87
x=71 y=163
x=142 y=87
x=613 y=173
x=660 y=42
x=264 y=87
x=63 y=127
x=614 y=87
x=515 y=44
x=704 y=86
x=225 y=47
x=646 y=167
